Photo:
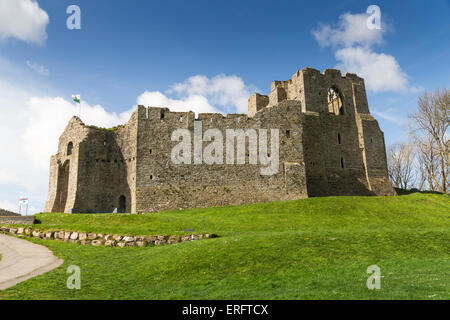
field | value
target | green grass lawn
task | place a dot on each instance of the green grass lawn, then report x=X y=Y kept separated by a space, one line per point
x=316 y=248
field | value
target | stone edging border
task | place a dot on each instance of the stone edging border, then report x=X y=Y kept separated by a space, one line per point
x=100 y=239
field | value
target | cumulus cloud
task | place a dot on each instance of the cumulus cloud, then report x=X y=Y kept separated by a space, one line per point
x=9 y=206
x=222 y=94
x=38 y=68
x=353 y=44
x=195 y=103
x=219 y=94
x=228 y=92
x=24 y=20
x=350 y=30
x=380 y=71
x=46 y=118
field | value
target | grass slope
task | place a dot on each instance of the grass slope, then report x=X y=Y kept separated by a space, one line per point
x=316 y=248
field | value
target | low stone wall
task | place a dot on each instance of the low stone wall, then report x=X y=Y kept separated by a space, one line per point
x=99 y=239
x=17 y=219
x=5 y=213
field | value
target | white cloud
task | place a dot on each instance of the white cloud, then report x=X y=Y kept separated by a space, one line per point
x=390 y=115
x=200 y=94
x=196 y=103
x=350 y=30
x=380 y=71
x=7 y=205
x=46 y=118
x=228 y=92
x=352 y=42
x=24 y=20
x=38 y=68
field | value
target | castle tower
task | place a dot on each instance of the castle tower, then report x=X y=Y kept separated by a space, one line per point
x=344 y=149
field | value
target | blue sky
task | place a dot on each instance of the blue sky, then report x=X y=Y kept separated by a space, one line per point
x=218 y=52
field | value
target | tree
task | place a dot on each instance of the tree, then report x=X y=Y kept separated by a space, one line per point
x=401 y=165
x=429 y=129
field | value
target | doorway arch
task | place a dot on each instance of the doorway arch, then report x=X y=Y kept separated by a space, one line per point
x=122 y=208
x=62 y=187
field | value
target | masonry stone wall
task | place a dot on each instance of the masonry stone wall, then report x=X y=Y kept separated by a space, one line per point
x=17 y=219
x=325 y=148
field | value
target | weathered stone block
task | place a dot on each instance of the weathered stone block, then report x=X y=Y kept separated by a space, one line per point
x=128 y=239
x=82 y=236
x=110 y=243
x=92 y=236
x=117 y=237
x=97 y=243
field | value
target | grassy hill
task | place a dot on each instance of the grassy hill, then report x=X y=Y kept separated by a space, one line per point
x=316 y=248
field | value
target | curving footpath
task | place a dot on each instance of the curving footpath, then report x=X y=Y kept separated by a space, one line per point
x=22 y=260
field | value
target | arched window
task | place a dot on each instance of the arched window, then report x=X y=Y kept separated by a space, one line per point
x=335 y=104
x=69 y=148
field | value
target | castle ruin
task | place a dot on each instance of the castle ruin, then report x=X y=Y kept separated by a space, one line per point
x=329 y=144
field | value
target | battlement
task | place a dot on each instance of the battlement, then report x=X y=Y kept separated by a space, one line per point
x=174 y=118
x=315 y=90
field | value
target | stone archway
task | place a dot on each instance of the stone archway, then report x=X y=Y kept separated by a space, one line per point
x=62 y=187
x=335 y=103
x=122 y=204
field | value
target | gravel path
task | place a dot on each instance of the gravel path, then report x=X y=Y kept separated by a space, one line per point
x=23 y=260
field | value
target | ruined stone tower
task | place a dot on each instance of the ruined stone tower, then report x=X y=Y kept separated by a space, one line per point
x=329 y=144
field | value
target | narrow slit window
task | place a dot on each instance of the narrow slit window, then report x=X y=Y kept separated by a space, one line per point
x=69 y=148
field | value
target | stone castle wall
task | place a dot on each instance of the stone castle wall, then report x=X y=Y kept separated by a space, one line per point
x=162 y=184
x=325 y=148
x=17 y=219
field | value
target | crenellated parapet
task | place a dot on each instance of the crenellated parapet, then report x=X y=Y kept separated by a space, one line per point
x=312 y=89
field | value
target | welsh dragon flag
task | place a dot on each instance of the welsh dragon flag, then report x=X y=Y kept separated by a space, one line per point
x=76 y=98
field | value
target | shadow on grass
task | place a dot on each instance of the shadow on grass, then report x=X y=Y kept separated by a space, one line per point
x=404 y=192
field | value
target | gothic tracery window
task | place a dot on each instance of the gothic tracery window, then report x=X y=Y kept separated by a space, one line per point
x=335 y=104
